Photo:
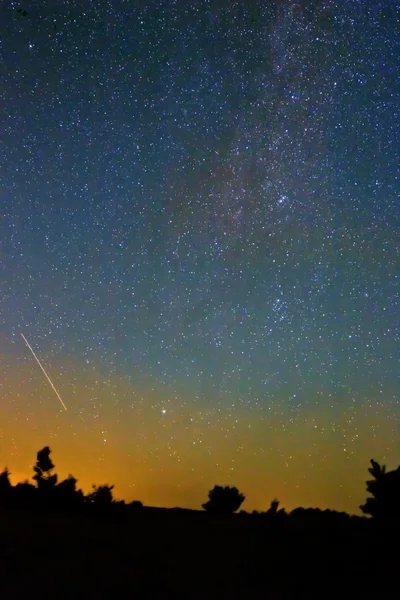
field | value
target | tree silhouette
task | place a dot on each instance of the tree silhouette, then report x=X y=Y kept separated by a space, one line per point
x=66 y=495
x=24 y=495
x=385 y=491
x=5 y=487
x=273 y=509
x=45 y=480
x=68 y=486
x=5 y=484
x=101 y=496
x=223 y=500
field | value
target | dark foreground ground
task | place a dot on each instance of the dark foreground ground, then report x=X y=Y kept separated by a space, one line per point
x=166 y=554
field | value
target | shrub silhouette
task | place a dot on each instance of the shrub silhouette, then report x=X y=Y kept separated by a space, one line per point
x=45 y=480
x=315 y=517
x=385 y=491
x=223 y=500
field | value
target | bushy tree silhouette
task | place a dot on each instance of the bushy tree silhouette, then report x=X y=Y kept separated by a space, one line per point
x=223 y=500
x=44 y=478
x=66 y=495
x=101 y=496
x=24 y=495
x=67 y=486
x=385 y=492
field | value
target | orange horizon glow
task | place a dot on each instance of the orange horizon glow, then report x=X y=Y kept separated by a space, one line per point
x=165 y=453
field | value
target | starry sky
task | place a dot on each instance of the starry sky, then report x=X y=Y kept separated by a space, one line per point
x=199 y=237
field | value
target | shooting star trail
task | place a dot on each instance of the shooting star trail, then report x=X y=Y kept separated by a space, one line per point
x=42 y=367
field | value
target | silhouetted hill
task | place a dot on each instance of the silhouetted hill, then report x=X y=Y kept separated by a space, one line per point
x=57 y=542
x=176 y=553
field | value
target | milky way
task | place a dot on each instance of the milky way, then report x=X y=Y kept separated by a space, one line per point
x=200 y=229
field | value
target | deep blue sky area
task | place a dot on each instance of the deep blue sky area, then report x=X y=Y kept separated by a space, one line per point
x=201 y=200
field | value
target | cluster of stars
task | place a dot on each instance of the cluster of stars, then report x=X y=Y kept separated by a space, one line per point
x=199 y=229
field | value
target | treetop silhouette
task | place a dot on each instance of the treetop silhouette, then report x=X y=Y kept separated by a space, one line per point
x=5 y=483
x=44 y=478
x=101 y=496
x=224 y=500
x=385 y=491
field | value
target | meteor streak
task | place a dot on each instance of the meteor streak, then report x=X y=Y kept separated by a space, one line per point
x=41 y=366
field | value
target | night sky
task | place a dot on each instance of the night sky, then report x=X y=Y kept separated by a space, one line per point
x=199 y=237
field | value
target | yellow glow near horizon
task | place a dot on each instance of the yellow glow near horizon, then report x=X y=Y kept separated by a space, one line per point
x=163 y=452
